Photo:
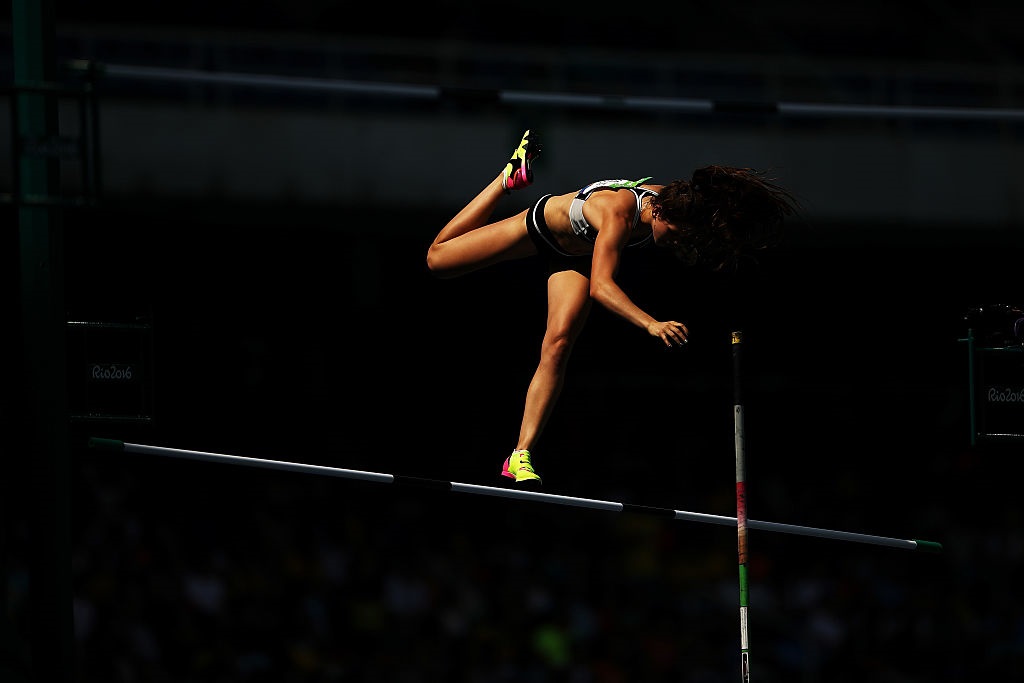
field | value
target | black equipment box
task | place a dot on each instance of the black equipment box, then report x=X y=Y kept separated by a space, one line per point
x=995 y=347
x=110 y=371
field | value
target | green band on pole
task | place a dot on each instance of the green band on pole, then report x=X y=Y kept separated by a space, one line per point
x=744 y=592
x=106 y=444
x=928 y=546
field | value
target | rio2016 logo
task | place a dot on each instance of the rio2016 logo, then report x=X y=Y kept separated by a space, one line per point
x=1005 y=395
x=111 y=372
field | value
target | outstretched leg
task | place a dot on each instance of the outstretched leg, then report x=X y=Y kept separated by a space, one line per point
x=468 y=242
x=568 y=306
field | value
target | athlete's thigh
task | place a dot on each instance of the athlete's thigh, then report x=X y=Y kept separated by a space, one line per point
x=499 y=241
x=568 y=302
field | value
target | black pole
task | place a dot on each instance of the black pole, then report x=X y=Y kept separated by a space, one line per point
x=42 y=453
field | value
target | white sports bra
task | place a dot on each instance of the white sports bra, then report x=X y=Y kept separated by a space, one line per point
x=584 y=230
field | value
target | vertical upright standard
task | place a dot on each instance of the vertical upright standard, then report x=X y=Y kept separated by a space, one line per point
x=741 y=508
x=40 y=462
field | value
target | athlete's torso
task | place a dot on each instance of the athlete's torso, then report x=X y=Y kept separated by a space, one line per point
x=586 y=232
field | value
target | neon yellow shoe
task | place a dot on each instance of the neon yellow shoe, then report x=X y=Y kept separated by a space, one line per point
x=518 y=466
x=518 y=171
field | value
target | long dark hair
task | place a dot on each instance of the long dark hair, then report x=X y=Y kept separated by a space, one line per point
x=724 y=213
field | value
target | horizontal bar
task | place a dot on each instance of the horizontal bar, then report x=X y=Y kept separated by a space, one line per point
x=250 y=462
x=563 y=100
x=517 y=494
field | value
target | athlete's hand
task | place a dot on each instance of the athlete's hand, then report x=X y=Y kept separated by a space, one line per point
x=673 y=334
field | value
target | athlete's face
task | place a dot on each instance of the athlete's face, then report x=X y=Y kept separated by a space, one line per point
x=671 y=236
x=665 y=234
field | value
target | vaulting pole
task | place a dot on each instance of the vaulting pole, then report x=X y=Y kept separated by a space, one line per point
x=741 y=508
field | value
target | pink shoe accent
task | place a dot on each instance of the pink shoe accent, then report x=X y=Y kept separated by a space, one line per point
x=504 y=469
x=523 y=177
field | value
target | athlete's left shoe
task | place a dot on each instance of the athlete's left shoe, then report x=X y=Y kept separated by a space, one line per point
x=518 y=466
x=518 y=171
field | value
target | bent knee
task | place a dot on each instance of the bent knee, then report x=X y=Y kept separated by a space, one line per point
x=556 y=347
x=437 y=264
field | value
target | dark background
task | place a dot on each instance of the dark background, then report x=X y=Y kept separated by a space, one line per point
x=311 y=333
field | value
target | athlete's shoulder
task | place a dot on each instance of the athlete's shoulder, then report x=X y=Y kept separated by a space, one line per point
x=613 y=184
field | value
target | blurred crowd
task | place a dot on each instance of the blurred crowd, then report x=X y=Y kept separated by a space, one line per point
x=186 y=572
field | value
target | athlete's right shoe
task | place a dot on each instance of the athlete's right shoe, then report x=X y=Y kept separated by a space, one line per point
x=518 y=466
x=518 y=171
